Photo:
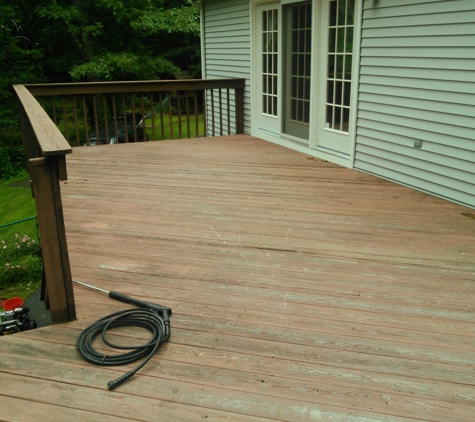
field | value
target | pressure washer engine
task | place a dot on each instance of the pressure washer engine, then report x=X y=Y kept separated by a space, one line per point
x=12 y=322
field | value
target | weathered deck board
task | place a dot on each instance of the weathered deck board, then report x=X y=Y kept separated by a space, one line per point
x=300 y=291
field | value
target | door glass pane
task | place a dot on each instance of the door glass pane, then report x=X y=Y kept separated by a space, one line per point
x=301 y=32
x=269 y=61
x=340 y=33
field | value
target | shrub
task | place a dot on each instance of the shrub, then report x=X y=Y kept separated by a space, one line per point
x=11 y=161
x=21 y=261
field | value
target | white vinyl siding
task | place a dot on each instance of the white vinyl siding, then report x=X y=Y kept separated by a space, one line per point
x=417 y=79
x=227 y=38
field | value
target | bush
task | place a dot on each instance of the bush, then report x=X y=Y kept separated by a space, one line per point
x=21 y=264
x=21 y=261
x=12 y=161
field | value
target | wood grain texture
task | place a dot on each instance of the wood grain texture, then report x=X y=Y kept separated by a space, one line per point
x=57 y=271
x=47 y=135
x=300 y=291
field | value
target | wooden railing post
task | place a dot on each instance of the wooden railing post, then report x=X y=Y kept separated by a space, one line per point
x=45 y=149
x=59 y=291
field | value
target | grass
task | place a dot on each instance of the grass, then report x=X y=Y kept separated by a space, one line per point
x=20 y=262
x=16 y=203
x=167 y=132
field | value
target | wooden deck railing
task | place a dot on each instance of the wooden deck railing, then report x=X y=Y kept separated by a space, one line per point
x=114 y=112
x=76 y=114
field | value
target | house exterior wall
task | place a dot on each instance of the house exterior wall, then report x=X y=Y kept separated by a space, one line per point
x=226 y=33
x=416 y=95
x=416 y=108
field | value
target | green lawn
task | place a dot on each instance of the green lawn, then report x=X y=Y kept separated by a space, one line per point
x=16 y=203
x=175 y=127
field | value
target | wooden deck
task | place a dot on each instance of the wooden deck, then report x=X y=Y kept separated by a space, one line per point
x=300 y=291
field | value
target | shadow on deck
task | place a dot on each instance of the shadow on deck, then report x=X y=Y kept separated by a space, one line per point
x=300 y=291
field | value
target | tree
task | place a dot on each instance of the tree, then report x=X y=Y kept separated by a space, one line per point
x=119 y=40
x=88 y=40
x=20 y=62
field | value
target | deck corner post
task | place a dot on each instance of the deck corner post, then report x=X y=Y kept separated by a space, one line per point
x=45 y=174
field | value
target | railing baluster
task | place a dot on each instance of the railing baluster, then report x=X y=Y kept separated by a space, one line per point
x=152 y=114
x=239 y=109
x=170 y=117
x=180 y=135
x=220 y=113
x=205 y=114
x=114 y=111
x=124 y=109
x=144 y=125
x=187 y=108
x=228 y=111
x=76 y=124
x=86 y=126
x=212 y=113
x=195 y=105
x=106 y=119
x=96 y=121
x=65 y=118
x=162 y=123
x=134 y=122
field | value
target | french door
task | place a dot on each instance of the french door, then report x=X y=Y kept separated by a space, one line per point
x=268 y=62
x=304 y=73
x=297 y=70
x=335 y=81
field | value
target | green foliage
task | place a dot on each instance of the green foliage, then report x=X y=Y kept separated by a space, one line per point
x=20 y=62
x=20 y=262
x=118 y=40
x=181 y=20
x=123 y=65
x=11 y=161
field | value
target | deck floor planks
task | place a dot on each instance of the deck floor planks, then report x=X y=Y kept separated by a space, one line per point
x=301 y=290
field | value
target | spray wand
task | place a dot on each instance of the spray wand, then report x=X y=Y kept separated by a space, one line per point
x=164 y=310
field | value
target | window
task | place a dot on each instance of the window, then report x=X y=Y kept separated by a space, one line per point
x=340 y=59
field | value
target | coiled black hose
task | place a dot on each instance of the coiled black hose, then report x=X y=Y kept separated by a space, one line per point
x=151 y=320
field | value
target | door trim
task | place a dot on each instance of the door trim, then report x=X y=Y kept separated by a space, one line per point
x=346 y=160
x=256 y=72
x=320 y=86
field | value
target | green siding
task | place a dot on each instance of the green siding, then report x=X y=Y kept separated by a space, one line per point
x=417 y=84
x=227 y=37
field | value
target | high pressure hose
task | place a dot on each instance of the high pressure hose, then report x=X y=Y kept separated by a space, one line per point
x=151 y=317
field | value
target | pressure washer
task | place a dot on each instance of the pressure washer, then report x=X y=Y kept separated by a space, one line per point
x=150 y=316
x=16 y=320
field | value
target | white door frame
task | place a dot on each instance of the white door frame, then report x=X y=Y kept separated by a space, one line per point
x=256 y=71
x=318 y=108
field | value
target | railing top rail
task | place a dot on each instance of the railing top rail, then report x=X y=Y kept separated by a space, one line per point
x=133 y=86
x=50 y=139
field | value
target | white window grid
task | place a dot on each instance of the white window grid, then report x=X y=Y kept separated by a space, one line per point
x=340 y=59
x=270 y=51
x=301 y=63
